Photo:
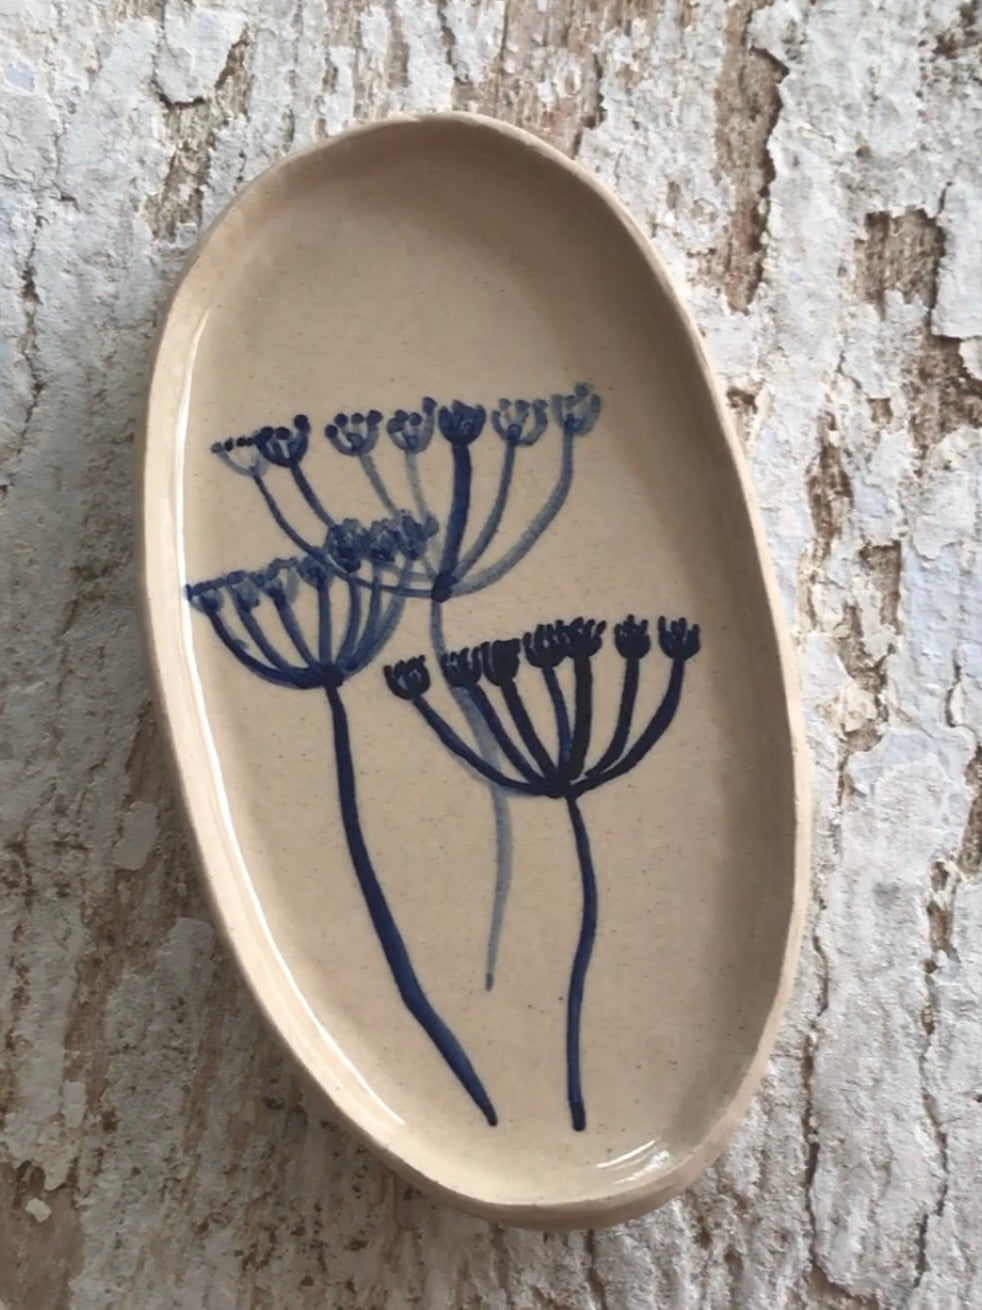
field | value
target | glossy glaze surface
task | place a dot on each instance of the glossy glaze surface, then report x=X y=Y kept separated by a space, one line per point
x=452 y=260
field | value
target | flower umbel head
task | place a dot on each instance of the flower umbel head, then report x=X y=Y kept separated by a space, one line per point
x=314 y=570
x=345 y=545
x=245 y=588
x=383 y=541
x=461 y=424
x=577 y=412
x=278 y=580
x=585 y=636
x=285 y=447
x=408 y=679
x=679 y=639
x=354 y=434
x=547 y=645
x=520 y=422
x=205 y=597
x=242 y=454
x=500 y=660
x=462 y=668
x=412 y=431
x=631 y=638
x=414 y=535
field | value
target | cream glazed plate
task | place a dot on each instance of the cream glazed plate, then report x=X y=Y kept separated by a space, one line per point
x=473 y=668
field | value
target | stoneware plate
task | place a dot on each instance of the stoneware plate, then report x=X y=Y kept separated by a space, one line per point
x=473 y=668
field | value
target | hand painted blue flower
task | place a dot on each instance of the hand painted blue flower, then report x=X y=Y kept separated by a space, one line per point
x=585 y=636
x=547 y=645
x=578 y=412
x=631 y=638
x=462 y=668
x=412 y=431
x=245 y=588
x=206 y=597
x=461 y=424
x=678 y=639
x=383 y=541
x=408 y=679
x=414 y=535
x=241 y=454
x=500 y=660
x=314 y=570
x=520 y=422
x=345 y=545
x=355 y=434
x=285 y=447
x=278 y=580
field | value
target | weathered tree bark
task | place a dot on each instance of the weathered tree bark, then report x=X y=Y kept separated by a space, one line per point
x=812 y=174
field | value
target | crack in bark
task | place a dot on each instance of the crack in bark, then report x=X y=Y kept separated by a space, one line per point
x=28 y=351
x=969 y=857
x=940 y=920
x=748 y=105
x=193 y=128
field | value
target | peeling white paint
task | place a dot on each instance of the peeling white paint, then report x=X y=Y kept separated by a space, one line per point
x=144 y=1088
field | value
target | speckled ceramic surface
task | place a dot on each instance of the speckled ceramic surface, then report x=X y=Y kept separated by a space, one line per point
x=473 y=668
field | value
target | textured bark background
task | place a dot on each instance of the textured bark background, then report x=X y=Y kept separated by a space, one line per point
x=812 y=174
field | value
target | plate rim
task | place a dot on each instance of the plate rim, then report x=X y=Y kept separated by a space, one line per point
x=156 y=520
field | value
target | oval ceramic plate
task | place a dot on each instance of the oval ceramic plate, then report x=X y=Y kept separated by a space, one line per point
x=473 y=668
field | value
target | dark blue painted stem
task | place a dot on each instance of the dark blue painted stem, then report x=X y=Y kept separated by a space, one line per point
x=526 y=729
x=386 y=626
x=370 y=628
x=263 y=644
x=422 y=506
x=353 y=625
x=553 y=504
x=460 y=508
x=378 y=486
x=489 y=714
x=622 y=729
x=390 y=939
x=460 y=748
x=324 y=622
x=582 y=715
x=561 y=713
x=280 y=519
x=493 y=521
x=311 y=496
x=300 y=678
x=581 y=962
x=289 y=620
x=656 y=728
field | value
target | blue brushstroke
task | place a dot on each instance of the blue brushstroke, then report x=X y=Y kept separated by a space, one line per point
x=500 y=812
x=566 y=776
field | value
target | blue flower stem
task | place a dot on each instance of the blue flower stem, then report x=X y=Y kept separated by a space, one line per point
x=310 y=496
x=493 y=521
x=460 y=508
x=489 y=714
x=660 y=722
x=422 y=506
x=280 y=519
x=545 y=515
x=526 y=728
x=622 y=729
x=581 y=962
x=582 y=715
x=390 y=939
x=324 y=622
x=378 y=486
x=562 y=714
x=500 y=808
x=459 y=747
